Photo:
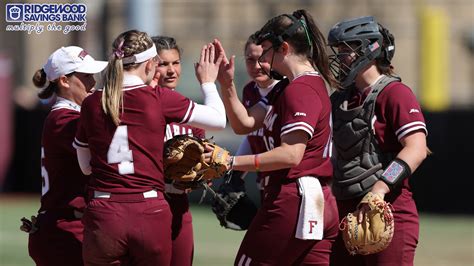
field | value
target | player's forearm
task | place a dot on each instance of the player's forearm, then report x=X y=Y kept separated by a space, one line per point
x=281 y=157
x=238 y=116
x=414 y=150
x=84 y=159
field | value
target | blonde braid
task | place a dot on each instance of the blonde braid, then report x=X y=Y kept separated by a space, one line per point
x=125 y=45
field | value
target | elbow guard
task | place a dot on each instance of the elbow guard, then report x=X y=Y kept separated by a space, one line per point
x=396 y=171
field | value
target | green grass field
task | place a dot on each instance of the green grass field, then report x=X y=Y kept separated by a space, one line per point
x=444 y=240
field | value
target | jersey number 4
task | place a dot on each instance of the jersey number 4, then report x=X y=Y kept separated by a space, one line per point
x=119 y=151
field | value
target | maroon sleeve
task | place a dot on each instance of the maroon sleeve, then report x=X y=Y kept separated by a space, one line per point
x=69 y=121
x=199 y=132
x=401 y=110
x=81 y=141
x=299 y=113
x=248 y=95
x=176 y=107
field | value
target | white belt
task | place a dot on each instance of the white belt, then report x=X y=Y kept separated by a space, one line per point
x=169 y=188
x=106 y=195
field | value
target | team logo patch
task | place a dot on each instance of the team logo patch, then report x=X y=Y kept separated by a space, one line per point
x=82 y=54
x=413 y=111
x=393 y=171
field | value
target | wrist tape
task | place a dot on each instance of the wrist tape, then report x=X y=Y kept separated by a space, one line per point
x=396 y=171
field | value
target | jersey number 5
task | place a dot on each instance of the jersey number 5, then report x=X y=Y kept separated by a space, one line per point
x=44 y=175
x=119 y=151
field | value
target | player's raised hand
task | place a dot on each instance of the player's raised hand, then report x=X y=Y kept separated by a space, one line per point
x=208 y=67
x=155 y=80
x=227 y=67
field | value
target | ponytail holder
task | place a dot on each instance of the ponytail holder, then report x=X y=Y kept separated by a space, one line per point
x=119 y=53
x=46 y=84
x=308 y=38
x=298 y=14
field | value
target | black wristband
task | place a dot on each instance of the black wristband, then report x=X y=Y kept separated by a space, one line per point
x=396 y=171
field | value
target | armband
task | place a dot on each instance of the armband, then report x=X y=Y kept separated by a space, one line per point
x=396 y=171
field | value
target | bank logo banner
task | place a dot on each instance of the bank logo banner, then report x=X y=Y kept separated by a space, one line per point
x=14 y=13
x=32 y=16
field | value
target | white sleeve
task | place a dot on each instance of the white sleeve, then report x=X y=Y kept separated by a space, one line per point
x=84 y=159
x=211 y=115
x=244 y=147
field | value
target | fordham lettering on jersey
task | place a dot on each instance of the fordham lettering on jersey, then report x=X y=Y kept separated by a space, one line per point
x=258 y=133
x=177 y=129
x=270 y=118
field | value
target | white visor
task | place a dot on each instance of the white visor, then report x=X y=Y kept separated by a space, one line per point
x=141 y=57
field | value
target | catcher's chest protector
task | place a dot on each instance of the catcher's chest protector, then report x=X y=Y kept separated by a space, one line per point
x=359 y=161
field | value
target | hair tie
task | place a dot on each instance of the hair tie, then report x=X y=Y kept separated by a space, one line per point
x=298 y=14
x=46 y=84
x=119 y=53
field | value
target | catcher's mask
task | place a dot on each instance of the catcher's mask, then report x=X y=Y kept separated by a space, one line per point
x=242 y=214
x=277 y=40
x=355 y=44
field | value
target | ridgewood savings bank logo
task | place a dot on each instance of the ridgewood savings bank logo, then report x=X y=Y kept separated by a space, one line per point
x=31 y=17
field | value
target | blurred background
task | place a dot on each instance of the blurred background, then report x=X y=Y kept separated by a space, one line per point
x=434 y=56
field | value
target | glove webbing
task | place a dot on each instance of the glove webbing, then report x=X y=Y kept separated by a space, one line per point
x=213 y=194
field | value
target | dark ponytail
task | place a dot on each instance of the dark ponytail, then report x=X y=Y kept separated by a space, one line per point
x=39 y=80
x=384 y=61
x=317 y=49
x=301 y=32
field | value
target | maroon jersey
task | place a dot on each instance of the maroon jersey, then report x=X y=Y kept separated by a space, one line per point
x=302 y=105
x=63 y=182
x=129 y=158
x=397 y=114
x=251 y=96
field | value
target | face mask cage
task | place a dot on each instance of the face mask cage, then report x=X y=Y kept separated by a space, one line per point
x=272 y=73
x=343 y=61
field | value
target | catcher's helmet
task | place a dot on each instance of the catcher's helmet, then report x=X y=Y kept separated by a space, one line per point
x=367 y=41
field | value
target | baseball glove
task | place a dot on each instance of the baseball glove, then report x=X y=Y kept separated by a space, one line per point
x=375 y=232
x=183 y=159
x=233 y=208
x=29 y=226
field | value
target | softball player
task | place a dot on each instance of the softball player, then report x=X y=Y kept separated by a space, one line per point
x=259 y=87
x=298 y=221
x=68 y=75
x=120 y=143
x=377 y=109
x=169 y=73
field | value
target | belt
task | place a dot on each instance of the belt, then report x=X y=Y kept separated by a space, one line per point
x=170 y=189
x=125 y=196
